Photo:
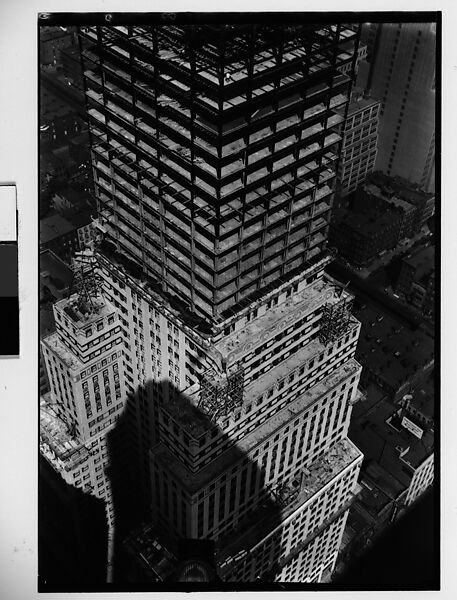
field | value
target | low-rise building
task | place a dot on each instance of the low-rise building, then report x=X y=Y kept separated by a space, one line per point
x=58 y=119
x=398 y=443
x=71 y=202
x=71 y=65
x=51 y=167
x=393 y=356
x=362 y=236
x=59 y=235
x=383 y=211
x=65 y=237
x=55 y=276
x=52 y=41
x=375 y=197
x=416 y=279
x=387 y=190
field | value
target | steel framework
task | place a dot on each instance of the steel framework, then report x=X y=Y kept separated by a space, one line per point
x=335 y=320
x=215 y=149
x=219 y=396
x=87 y=283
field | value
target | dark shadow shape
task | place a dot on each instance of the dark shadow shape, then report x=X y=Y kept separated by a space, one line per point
x=132 y=511
x=72 y=535
x=404 y=558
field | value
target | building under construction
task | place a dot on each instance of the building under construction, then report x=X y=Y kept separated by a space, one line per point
x=215 y=151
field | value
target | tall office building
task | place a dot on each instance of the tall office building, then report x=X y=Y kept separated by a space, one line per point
x=215 y=152
x=83 y=359
x=402 y=76
x=360 y=143
x=219 y=142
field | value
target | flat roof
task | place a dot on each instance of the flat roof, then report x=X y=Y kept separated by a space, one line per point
x=52 y=106
x=399 y=186
x=54 y=273
x=257 y=332
x=390 y=348
x=50 y=32
x=423 y=261
x=252 y=439
x=85 y=315
x=49 y=159
x=318 y=474
x=379 y=192
x=364 y=222
x=197 y=423
x=56 y=436
x=373 y=500
x=382 y=437
x=423 y=397
x=54 y=343
x=53 y=227
x=47 y=323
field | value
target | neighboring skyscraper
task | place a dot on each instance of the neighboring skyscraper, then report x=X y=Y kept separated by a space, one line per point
x=215 y=152
x=360 y=143
x=402 y=76
x=83 y=360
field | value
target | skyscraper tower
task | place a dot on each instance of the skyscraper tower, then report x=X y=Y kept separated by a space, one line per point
x=221 y=144
x=402 y=76
x=83 y=361
x=215 y=151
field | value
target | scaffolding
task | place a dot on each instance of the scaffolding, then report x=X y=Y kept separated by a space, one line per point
x=87 y=283
x=221 y=395
x=335 y=320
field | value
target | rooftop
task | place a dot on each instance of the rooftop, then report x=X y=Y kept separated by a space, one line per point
x=48 y=160
x=53 y=227
x=358 y=103
x=50 y=32
x=146 y=546
x=367 y=222
x=423 y=261
x=379 y=192
x=392 y=350
x=321 y=472
x=423 y=398
x=400 y=187
x=197 y=423
x=58 y=442
x=54 y=273
x=47 y=323
x=386 y=441
x=54 y=343
x=288 y=366
x=258 y=331
x=52 y=106
x=80 y=202
x=83 y=313
x=374 y=500
x=251 y=440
